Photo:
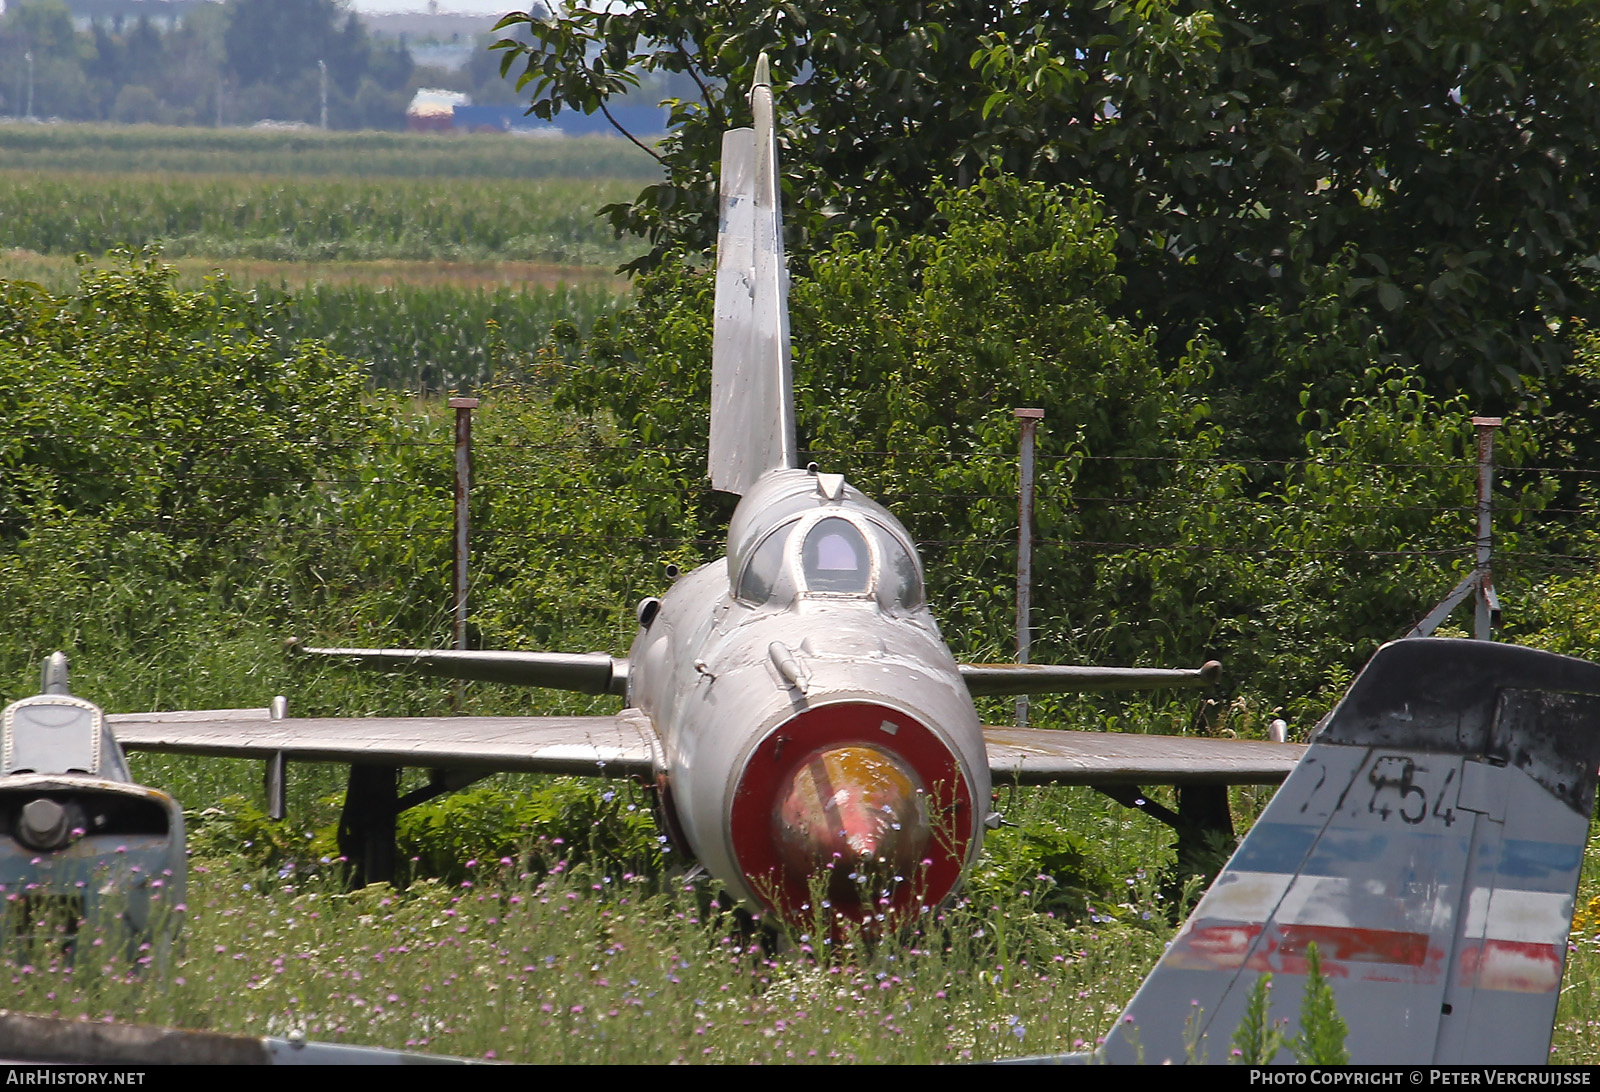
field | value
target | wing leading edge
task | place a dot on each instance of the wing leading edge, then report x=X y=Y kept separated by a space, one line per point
x=584 y=672
x=1028 y=756
x=600 y=673
x=994 y=680
x=623 y=745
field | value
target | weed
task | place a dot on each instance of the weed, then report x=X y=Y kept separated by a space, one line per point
x=1322 y=1029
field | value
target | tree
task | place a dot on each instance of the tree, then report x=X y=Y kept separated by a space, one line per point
x=279 y=41
x=137 y=71
x=172 y=410
x=1436 y=152
x=42 y=63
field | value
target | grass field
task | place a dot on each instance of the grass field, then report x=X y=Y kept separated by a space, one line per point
x=300 y=219
x=437 y=261
x=413 y=325
x=59 y=273
x=545 y=956
x=152 y=149
x=591 y=961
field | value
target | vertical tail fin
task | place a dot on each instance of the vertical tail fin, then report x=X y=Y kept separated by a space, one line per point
x=1429 y=844
x=752 y=388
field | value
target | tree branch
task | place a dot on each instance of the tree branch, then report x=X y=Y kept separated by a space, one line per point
x=647 y=151
x=705 y=92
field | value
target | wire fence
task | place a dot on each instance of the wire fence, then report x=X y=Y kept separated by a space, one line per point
x=1449 y=536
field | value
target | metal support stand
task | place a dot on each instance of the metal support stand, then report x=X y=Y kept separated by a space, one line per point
x=1205 y=826
x=1203 y=821
x=439 y=783
x=1480 y=581
x=366 y=825
x=1131 y=796
x=372 y=804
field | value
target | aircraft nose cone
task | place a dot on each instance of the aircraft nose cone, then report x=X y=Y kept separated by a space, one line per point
x=856 y=808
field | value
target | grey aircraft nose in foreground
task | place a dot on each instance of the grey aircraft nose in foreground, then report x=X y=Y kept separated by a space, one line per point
x=794 y=705
x=79 y=840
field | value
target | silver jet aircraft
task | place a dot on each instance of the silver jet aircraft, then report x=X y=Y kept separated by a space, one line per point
x=794 y=705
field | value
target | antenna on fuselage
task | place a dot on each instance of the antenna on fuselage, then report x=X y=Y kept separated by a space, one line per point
x=752 y=386
x=53 y=676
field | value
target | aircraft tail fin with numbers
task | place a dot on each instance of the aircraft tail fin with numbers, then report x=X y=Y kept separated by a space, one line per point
x=1429 y=844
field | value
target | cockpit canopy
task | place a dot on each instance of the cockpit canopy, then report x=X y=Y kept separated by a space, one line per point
x=839 y=553
x=58 y=734
x=802 y=533
x=834 y=558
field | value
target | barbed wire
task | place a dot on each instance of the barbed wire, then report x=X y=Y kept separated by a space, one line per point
x=483 y=445
x=499 y=456
x=444 y=534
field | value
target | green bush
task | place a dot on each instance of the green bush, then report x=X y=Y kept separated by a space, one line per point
x=555 y=825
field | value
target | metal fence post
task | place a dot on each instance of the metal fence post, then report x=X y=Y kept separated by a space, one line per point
x=463 y=408
x=1029 y=420
x=276 y=779
x=1479 y=583
x=1487 y=603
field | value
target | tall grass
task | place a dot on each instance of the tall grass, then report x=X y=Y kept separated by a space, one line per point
x=312 y=219
x=540 y=957
x=119 y=149
x=1577 y=1031
x=596 y=963
x=439 y=338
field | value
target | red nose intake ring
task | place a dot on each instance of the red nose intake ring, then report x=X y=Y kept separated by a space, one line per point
x=856 y=805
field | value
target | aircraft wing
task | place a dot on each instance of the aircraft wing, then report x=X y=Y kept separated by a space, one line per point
x=584 y=672
x=994 y=680
x=600 y=673
x=624 y=745
x=1029 y=756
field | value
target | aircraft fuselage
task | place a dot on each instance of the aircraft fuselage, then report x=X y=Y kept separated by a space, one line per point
x=813 y=722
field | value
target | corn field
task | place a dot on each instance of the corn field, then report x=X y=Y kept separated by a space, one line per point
x=312 y=219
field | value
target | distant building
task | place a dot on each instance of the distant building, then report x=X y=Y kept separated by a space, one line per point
x=433 y=110
x=436 y=111
x=642 y=121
